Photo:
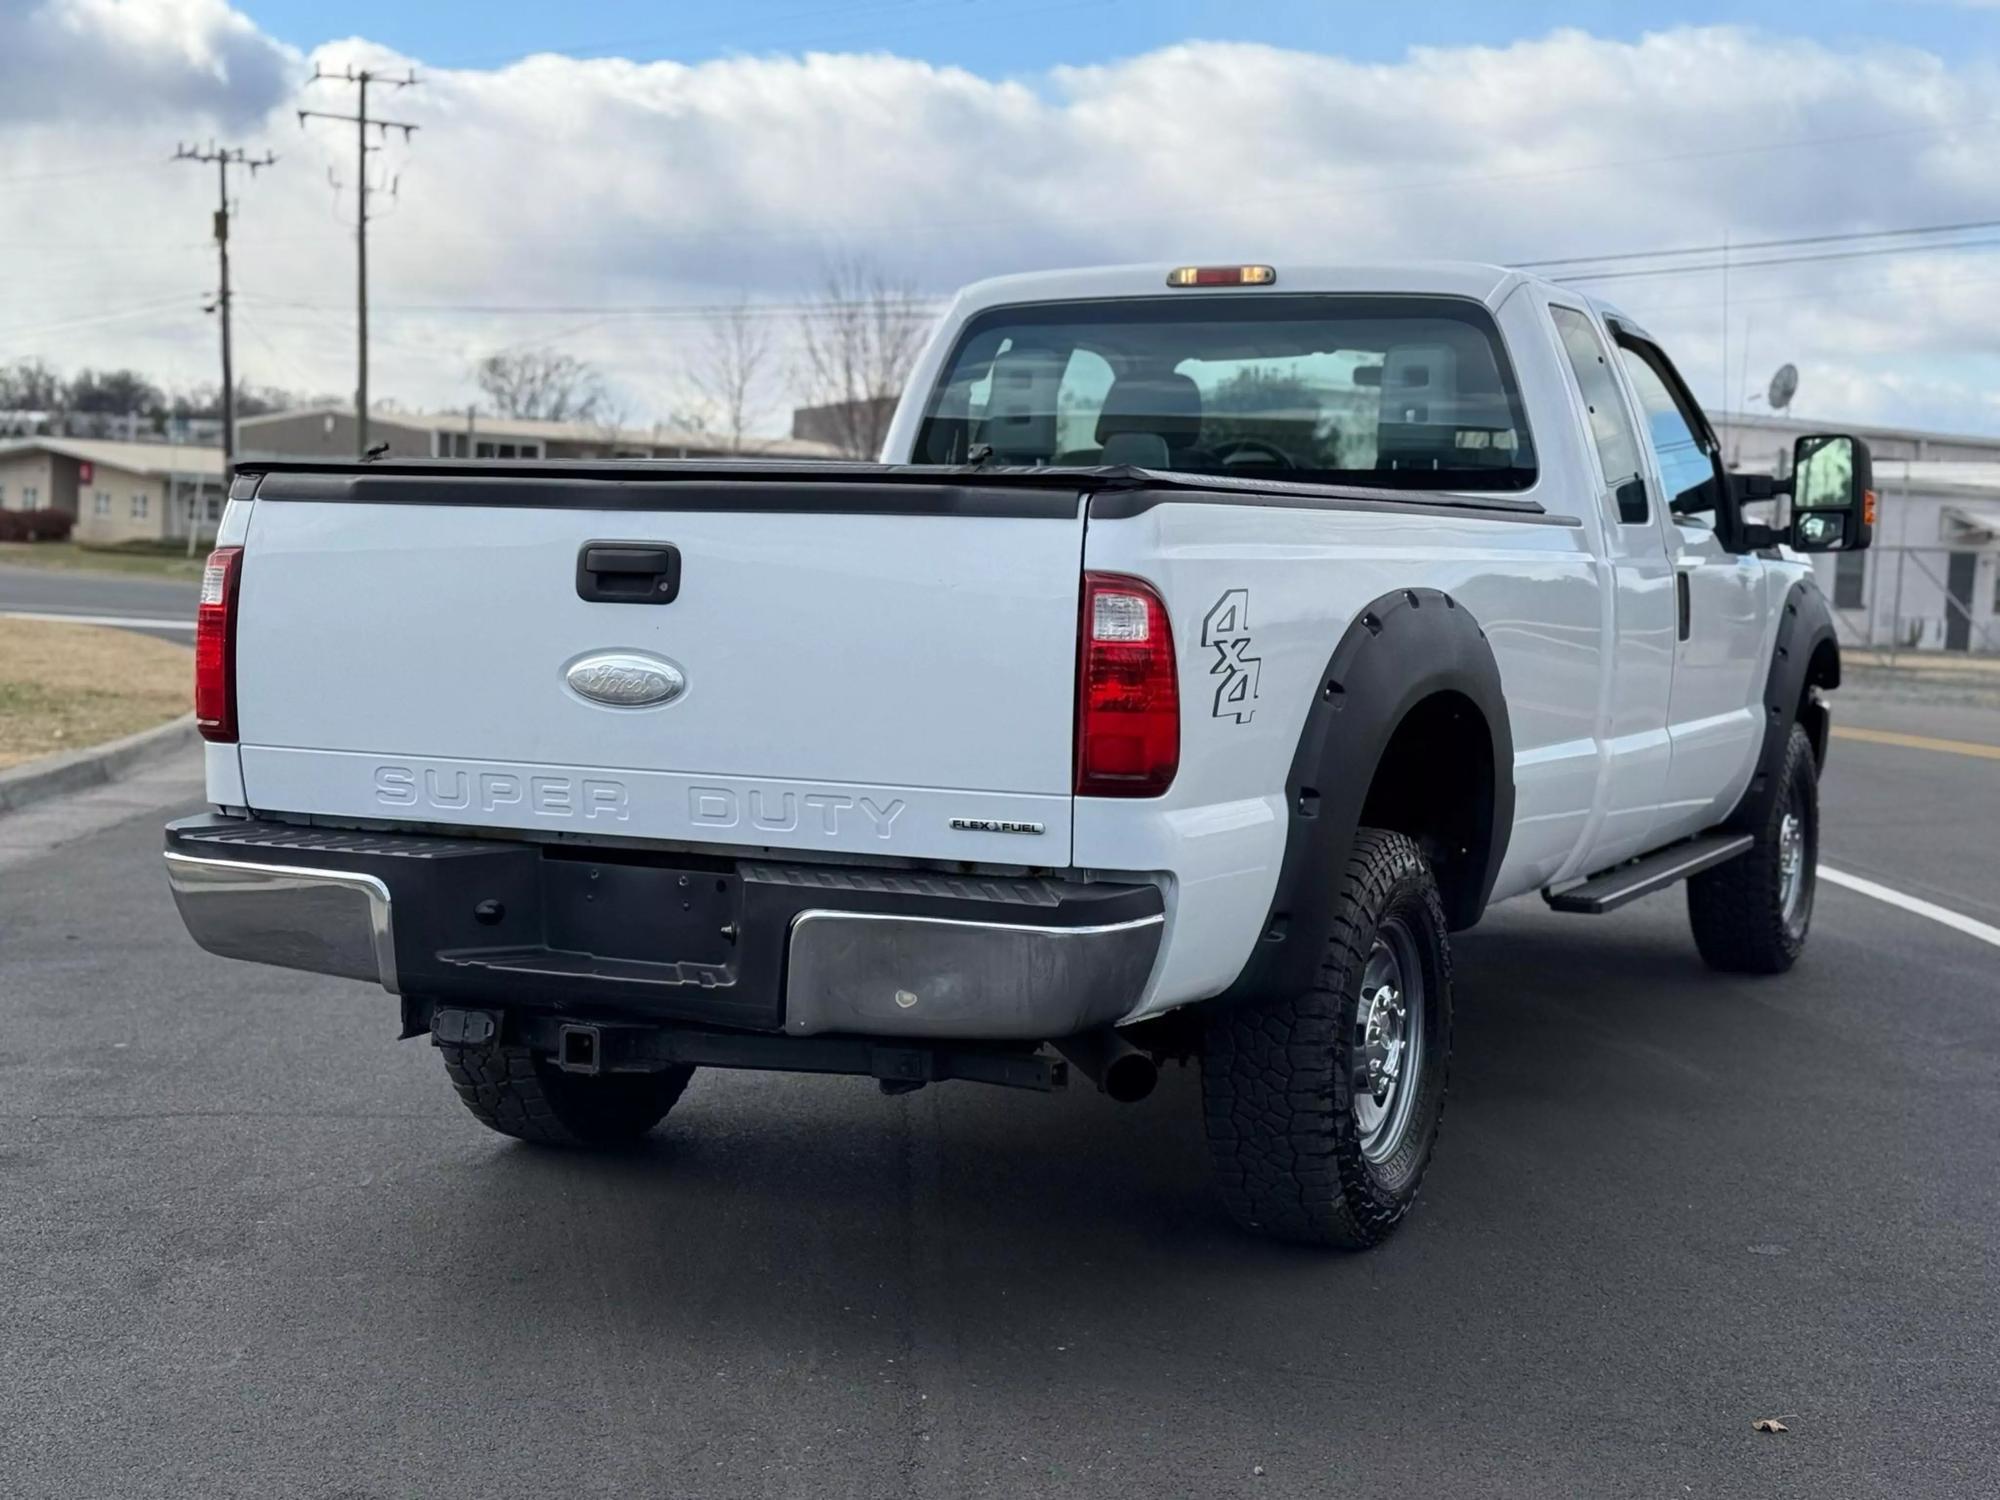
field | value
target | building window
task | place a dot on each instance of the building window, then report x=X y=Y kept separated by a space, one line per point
x=1850 y=577
x=100 y=504
x=466 y=445
x=31 y=497
x=142 y=505
x=215 y=507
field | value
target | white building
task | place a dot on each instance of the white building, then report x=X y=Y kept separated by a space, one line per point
x=329 y=432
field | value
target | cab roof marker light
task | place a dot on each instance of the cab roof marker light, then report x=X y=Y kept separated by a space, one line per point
x=1222 y=276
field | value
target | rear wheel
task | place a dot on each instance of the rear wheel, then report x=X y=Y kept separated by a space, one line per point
x=511 y=1090
x=1751 y=915
x=1322 y=1109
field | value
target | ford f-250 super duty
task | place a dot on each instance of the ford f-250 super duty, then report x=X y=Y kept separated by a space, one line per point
x=1213 y=642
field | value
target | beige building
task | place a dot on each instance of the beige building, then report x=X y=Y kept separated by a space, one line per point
x=118 y=492
x=328 y=432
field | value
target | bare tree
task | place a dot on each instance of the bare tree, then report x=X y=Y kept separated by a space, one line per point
x=31 y=385
x=728 y=372
x=541 y=383
x=860 y=334
x=694 y=416
x=607 y=421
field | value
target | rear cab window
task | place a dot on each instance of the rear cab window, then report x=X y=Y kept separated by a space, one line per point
x=1398 y=392
x=1611 y=428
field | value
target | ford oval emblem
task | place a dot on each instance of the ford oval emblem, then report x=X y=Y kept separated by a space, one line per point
x=625 y=679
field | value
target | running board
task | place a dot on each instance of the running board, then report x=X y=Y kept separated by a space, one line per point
x=1648 y=873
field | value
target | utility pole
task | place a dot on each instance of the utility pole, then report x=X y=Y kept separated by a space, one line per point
x=224 y=157
x=361 y=79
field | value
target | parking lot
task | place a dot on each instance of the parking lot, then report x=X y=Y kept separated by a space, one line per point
x=253 y=1245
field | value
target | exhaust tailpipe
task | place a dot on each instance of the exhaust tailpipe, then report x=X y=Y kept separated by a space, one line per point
x=1116 y=1066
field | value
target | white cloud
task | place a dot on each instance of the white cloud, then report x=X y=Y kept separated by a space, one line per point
x=588 y=183
x=196 y=60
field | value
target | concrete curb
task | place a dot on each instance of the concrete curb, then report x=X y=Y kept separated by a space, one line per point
x=76 y=770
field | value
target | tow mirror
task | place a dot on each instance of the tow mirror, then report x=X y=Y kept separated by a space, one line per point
x=1833 y=494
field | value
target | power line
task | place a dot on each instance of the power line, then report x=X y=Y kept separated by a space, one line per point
x=1778 y=260
x=61 y=173
x=672 y=310
x=223 y=158
x=297 y=373
x=669 y=310
x=152 y=308
x=931 y=226
x=359 y=119
x=1849 y=293
x=1739 y=245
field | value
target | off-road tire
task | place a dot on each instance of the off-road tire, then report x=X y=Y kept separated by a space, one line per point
x=511 y=1090
x=1737 y=909
x=1278 y=1074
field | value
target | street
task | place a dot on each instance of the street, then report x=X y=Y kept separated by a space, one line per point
x=155 y=606
x=254 y=1246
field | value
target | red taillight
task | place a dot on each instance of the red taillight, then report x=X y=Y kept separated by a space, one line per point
x=215 y=646
x=1128 y=701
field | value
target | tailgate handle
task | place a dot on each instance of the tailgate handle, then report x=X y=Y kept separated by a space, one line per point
x=628 y=573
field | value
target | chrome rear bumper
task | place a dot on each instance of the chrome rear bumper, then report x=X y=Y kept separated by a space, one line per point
x=887 y=975
x=326 y=921
x=798 y=949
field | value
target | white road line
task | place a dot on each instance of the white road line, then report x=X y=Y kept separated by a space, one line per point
x=127 y=622
x=1922 y=908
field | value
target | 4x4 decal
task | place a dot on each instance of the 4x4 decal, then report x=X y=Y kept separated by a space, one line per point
x=1226 y=630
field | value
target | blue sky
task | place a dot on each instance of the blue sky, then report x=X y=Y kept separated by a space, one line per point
x=1020 y=36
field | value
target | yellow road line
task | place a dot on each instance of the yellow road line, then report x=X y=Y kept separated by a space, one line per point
x=1917 y=742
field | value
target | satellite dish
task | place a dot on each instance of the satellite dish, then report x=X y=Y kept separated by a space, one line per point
x=1784 y=386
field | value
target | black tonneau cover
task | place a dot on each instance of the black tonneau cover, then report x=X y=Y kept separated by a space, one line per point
x=802 y=485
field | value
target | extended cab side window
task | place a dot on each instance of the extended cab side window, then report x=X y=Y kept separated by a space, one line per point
x=1680 y=434
x=1610 y=423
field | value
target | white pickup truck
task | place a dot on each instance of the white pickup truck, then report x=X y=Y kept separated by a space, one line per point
x=1212 y=643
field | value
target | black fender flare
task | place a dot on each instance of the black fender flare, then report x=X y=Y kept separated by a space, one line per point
x=1401 y=649
x=1805 y=630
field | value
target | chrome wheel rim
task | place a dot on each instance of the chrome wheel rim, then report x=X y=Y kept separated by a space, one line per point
x=1388 y=1041
x=1791 y=863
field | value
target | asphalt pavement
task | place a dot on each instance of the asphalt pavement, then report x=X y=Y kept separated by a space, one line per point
x=250 y=1244
x=154 y=606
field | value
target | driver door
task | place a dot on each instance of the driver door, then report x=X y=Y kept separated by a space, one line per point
x=1714 y=727
x=1637 y=579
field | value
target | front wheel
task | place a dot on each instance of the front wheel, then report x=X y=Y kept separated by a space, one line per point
x=1750 y=916
x=1322 y=1109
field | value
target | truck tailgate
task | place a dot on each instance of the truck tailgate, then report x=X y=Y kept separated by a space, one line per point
x=860 y=666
